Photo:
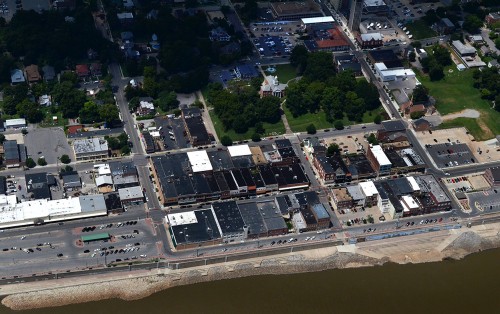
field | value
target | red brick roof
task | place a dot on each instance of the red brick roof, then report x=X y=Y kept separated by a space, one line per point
x=82 y=70
x=72 y=129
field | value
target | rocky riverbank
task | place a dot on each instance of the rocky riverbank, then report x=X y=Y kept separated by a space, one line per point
x=133 y=286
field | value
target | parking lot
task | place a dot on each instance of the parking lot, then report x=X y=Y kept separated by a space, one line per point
x=50 y=143
x=274 y=38
x=348 y=144
x=62 y=250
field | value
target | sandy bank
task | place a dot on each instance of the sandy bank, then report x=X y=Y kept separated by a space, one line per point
x=418 y=249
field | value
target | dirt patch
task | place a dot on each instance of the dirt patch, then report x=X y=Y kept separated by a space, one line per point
x=466 y=113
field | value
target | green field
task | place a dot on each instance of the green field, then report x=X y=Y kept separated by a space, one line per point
x=271 y=129
x=300 y=124
x=455 y=93
x=285 y=72
x=420 y=30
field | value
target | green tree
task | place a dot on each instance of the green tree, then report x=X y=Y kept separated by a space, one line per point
x=319 y=66
x=226 y=140
x=436 y=73
x=311 y=129
x=30 y=163
x=109 y=114
x=412 y=56
x=113 y=143
x=256 y=137
x=298 y=58
x=125 y=150
x=70 y=99
x=377 y=119
x=167 y=100
x=90 y=113
x=472 y=23
x=24 y=131
x=417 y=115
x=372 y=139
x=259 y=128
x=339 y=125
x=65 y=159
x=30 y=111
x=420 y=94
x=333 y=149
x=42 y=162
x=2 y=138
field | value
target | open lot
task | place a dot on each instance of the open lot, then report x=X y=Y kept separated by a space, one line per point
x=459 y=135
x=456 y=92
x=420 y=30
x=348 y=144
x=48 y=142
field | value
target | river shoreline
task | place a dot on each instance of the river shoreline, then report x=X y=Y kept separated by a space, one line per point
x=432 y=247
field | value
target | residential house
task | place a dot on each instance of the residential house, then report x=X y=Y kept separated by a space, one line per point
x=96 y=69
x=145 y=108
x=14 y=154
x=219 y=34
x=17 y=77
x=445 y=26
x=421 y=125
x=492 y=18
x=49 y=73
x=82 y=71
x=32 y=73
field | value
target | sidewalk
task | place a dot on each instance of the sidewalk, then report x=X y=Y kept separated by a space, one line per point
x=206 y=116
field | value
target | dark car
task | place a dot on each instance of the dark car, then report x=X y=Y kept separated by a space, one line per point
x=86 y=251
x=60 y=255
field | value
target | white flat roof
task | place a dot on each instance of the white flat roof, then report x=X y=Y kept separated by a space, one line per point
x=239 y=150
x=380 y=155
x=104 y=170
x=413 y=183
x=13 y=214
x=133 y=192
x=410 y=201
x=322 y=19
x=11 y=122
x=368 y=188
x=199 y=161
x=179 y=219
x=374 y=3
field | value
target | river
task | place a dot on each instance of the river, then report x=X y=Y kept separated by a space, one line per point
x=471 y=285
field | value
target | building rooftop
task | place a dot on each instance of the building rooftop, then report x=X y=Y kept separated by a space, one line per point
x=239 y=150
x=229 y=217
x=463 y=49
x=379 y=154
x=271 y=215
x=428 y=183
x=130 y=193
x=315 y=20
x=320 y=211
x=342 y=194
x=91 y=145
x=393 y=126
x=252 y=218
x=220 y=159
x=355 y=192
x=368 y=188
x=200 y=228
x=371 y=36
x=199 y=161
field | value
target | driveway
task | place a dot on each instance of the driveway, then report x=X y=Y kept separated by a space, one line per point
x=48 y=142
x=466 y=113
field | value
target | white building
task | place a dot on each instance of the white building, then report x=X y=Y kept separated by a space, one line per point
x=15 y=123
x=131 y=195
x=13 y=214
x=239 y=150
x=387 y=75
x=409 y=204
x=199 y=161
x=378 y=159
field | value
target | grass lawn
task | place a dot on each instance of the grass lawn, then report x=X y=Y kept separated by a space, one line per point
x=48 y=120
x=285 y=72
x=470 y=123
x=420 y=30
x=300 y=124
x=455 y=93
x=271 y=129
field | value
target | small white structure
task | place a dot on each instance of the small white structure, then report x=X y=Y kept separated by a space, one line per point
x=239 y=150
x=179 y=219
x=15 y=123
x=387 y=75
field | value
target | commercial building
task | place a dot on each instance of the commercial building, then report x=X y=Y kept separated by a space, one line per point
x=386 y=74
x=88 y=149
x=149 y=142
x=194 y=229
x=347 y=62
x=130 y=196
x=370 y=193
x=324 y=22
x=195 y=128
x=492 y=18
x=378 y=159
x=328 y=40
x=375 y=7
x=341 y=198
x=404 y=160
x=13 y=214
x=230 y=221
x=359 y=167
x=331 y=169
x=38 y=185
x=71 y=180
x=287 y=11
x=124 y=174
x=370 y=40
x=199 y=161
x=14 y=154
x=492 y=176
x=463 y=50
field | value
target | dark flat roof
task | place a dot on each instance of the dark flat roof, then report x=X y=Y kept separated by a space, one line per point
x=204 y=230
x=283 y=204
x=243 y=161
x=229 y=217
x=230 y=181
x=282 y=143
x=238 y=178
x=197 y=129
x=267 y=174
x=287 y=152
x=308 y=216
x=220 y=160
x=221 y=181
x=393 y=126
x=272 y=215
x=252 y=218
x=257 y=178
x=11 y=150
x=247 y=176
x=200 y=184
